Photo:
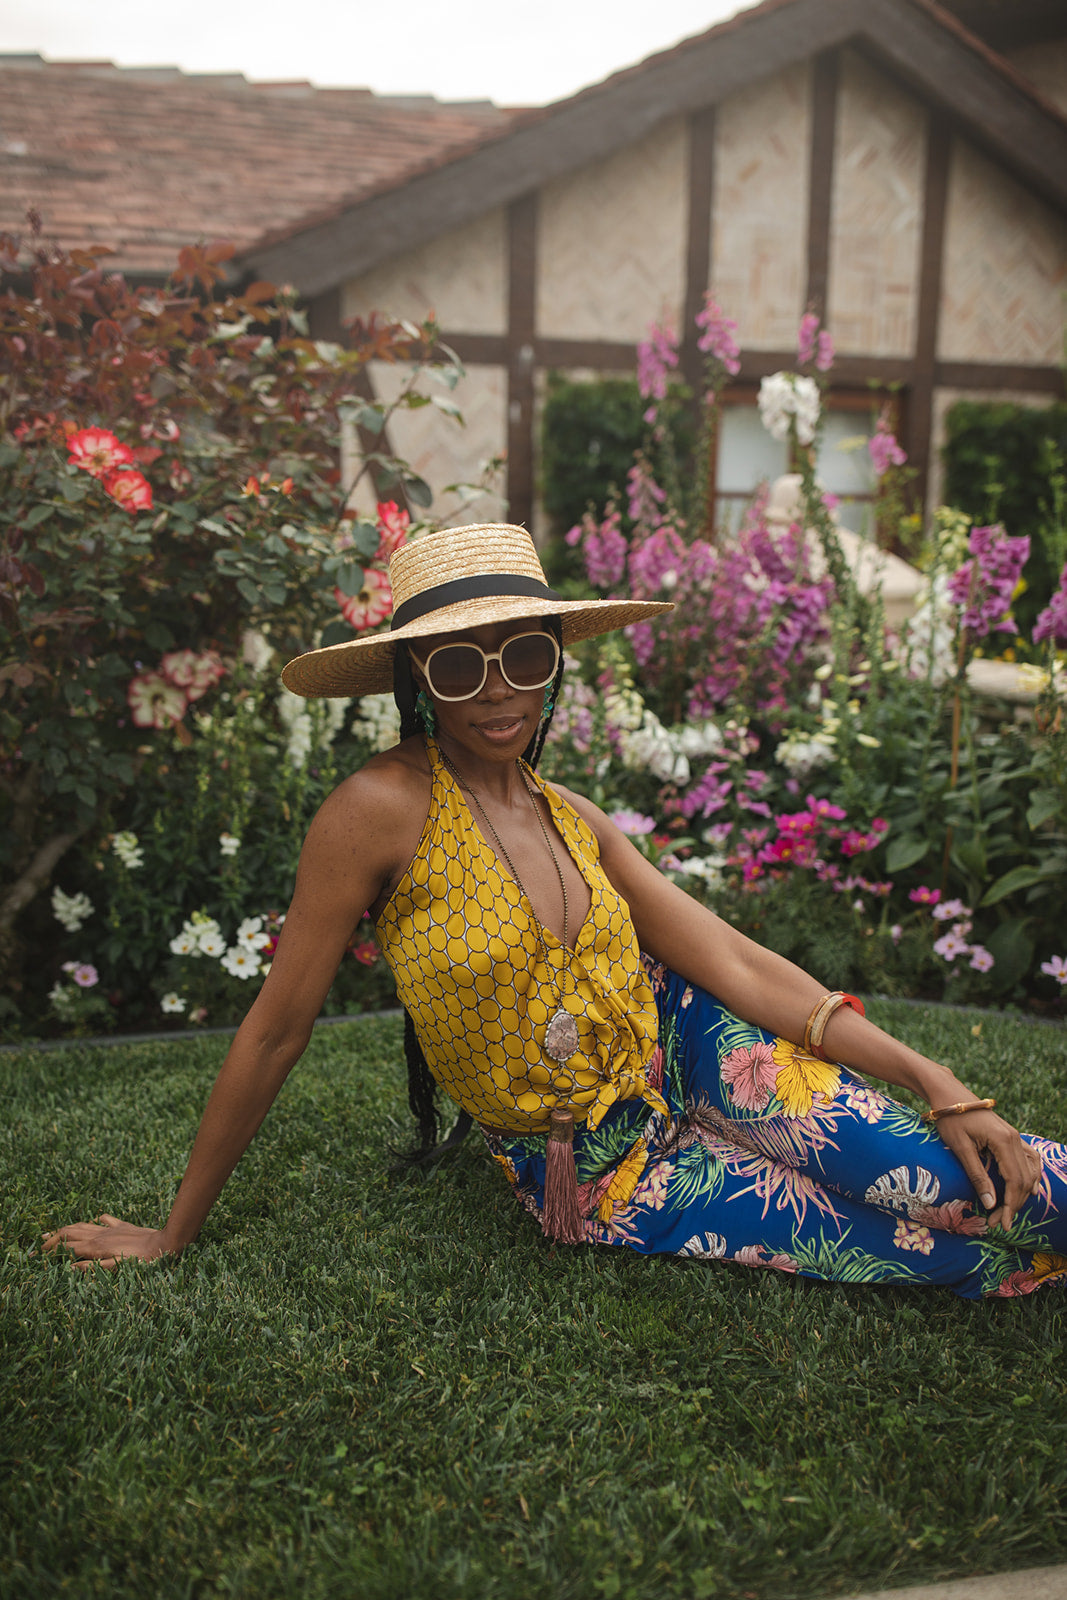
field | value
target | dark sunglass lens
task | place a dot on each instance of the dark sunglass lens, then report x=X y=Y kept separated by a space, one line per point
x=456 y=671
x=529 y=660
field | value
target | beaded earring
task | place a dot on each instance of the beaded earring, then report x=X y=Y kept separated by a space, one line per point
x=548 y=704
x=424 y=710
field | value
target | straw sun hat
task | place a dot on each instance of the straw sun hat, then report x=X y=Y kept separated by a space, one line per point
x=444 y=582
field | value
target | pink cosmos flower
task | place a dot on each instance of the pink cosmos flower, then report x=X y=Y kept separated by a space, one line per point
x=393 y=527
x=98 y=452
x=366 y=952
x=951 y=910
x=981 y=960
x=631 y=822
x=155 y=702
x=131 y=490
x=1056 y=968
x=371 y=605
x=194 y=673
x=950 y=945
x=923 y=896
x=86 y=976
x=750 y=1071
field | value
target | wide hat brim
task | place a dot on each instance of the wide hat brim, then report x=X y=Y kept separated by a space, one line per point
x=365 y=666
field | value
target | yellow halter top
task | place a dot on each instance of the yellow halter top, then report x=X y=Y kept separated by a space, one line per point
x=459 y=936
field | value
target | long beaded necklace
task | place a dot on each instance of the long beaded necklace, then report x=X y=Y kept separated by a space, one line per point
x=561 y=1034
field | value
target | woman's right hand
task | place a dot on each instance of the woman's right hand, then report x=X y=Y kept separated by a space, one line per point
x=107 y=1241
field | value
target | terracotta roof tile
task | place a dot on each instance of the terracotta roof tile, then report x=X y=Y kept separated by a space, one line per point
x=148 y=160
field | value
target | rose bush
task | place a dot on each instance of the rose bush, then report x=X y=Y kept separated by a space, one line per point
x=171 y=485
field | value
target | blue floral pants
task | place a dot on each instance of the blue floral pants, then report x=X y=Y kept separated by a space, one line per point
x=772 y=1159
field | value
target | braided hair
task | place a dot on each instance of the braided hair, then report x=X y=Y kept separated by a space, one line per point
x=422 y=1089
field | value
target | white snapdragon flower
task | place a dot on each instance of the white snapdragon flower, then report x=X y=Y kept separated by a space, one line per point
x=707 y=868
x=651 y=747
x=229 y=844
x=928 y=645
x=241 y=962
x=125 y=845
x=172 y=1002
x=694 y=742
x=71 y=909
x=378 y=721
x=801 y=753
x=785 y=395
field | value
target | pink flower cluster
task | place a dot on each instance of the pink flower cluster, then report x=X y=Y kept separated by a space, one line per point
x=883 y=449
x=801 y=841
x=657 y=357
x=374 y=602
x=718 y=335
x=1052 y=622
x=814 y=344
x=161 y=698
x=99 y=453
x=604 y=548
x=953 y=943
x=985 y=584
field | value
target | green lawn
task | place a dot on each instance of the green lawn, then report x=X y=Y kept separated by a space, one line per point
x=362 y=1387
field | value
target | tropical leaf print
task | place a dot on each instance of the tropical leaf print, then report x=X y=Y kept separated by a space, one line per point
x=789 y=1189
x=801 y=1077
x=897 y=1191
x=832 y=1259
x=697 y=1176
x=705 y=1247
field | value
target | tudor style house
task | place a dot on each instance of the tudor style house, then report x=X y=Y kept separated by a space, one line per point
x=899 y=166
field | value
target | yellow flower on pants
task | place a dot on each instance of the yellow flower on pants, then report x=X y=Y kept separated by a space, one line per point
x=801 y=1077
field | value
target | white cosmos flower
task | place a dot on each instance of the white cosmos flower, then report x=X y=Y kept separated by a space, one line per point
x=172 y=1002
x=240 y=962
x=185 y=943
x=250 y=936
x=212 y=943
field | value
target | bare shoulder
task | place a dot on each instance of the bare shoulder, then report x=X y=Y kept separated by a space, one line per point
x=374 y=819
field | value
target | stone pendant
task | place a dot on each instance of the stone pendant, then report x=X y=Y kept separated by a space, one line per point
x=561 y=1036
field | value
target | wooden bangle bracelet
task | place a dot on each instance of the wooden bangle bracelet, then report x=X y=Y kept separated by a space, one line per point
x=820 y=1016
x=958 y=1109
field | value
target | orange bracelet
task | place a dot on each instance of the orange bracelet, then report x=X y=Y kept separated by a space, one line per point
x=820 y=1016
x=958 y=1109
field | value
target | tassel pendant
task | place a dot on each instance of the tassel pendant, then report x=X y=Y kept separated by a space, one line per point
x=561 y=1217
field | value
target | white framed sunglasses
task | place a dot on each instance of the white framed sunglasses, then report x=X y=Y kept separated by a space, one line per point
x=459 y=671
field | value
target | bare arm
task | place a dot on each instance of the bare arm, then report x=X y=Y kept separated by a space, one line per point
x=764 y=988
x=351 y=854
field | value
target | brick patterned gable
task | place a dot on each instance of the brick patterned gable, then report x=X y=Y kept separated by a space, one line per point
x=149 y=161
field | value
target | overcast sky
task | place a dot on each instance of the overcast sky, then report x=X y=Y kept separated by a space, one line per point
x=504 y=50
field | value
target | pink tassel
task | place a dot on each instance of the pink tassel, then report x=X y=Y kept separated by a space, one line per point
x=561 y=1218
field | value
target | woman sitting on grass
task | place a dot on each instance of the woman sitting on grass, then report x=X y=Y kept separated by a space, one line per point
x=685 y=1101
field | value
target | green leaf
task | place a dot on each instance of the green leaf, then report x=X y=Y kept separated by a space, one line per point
x=418 y=491
x=349 y=578
x=158 y=636
x=449 y=407
x=366 y=539
x=905 y=852
x=1044 y=804
x=248 y=592
x=1012 y=950
x=36 y=515
x=970 y=854
x=336 y=632
x=1018 y=878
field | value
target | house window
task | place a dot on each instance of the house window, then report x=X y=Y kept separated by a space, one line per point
x=747 y=456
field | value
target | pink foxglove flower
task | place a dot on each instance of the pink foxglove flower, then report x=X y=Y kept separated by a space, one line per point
x=657 y=356
x=985 y=584
x=806 y=336
x=884 y=450
x=718 y=335
x=1052 y=622
x=371 y=605
x=155 y=702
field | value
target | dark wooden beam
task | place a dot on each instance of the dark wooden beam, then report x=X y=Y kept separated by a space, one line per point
x=1001 y=375
x=824 y=84
x=701 y=138
x=931 y=260
x=522 y=293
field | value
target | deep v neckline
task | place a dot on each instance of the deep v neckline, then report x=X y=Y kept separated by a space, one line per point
x=441 y=767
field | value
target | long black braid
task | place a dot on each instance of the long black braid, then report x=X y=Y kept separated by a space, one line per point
x=422 y=1090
